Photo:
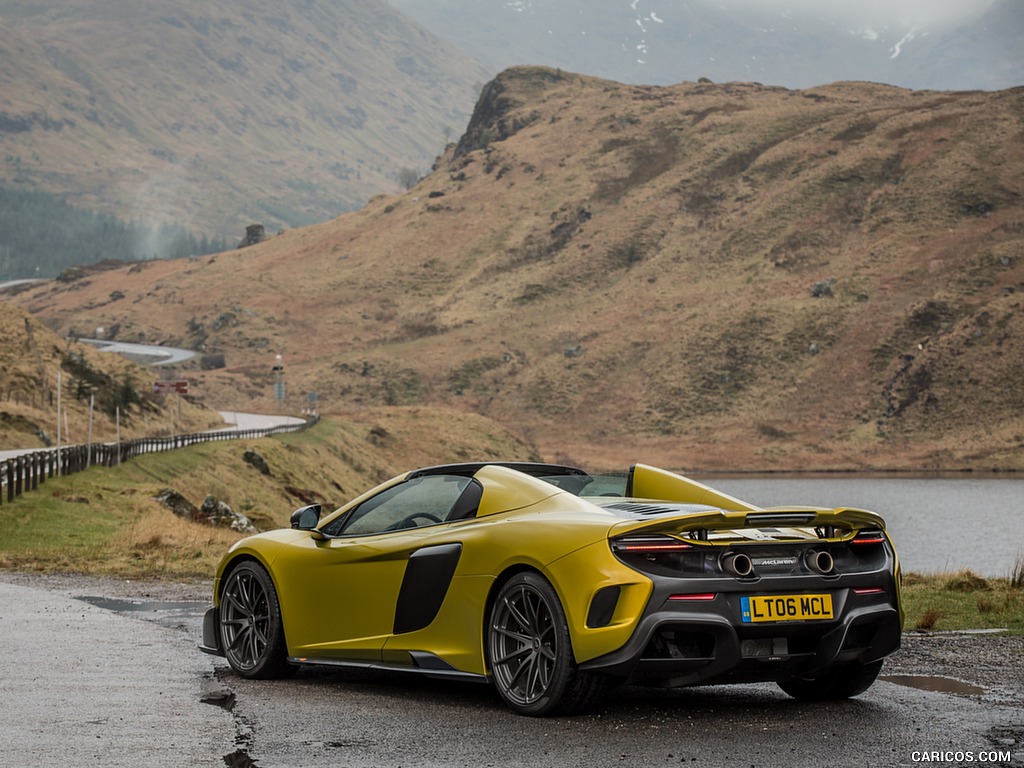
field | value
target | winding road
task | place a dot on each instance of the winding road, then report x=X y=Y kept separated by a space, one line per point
x=146 y=354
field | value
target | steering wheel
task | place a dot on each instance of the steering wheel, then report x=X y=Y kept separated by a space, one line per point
x=407 y=521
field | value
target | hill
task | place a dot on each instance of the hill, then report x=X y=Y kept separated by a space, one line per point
x=699 y=275
x=32 y=356
x=213 y=117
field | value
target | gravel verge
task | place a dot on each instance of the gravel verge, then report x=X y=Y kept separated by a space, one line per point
x=990 y=661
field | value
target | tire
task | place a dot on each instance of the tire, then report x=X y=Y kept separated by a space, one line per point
x=251 y=632
x=839 y=682
x=530 y=653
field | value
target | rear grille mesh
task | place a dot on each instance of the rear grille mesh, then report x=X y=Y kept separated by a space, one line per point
x=764 y=647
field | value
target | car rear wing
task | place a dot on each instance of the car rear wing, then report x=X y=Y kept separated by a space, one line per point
x=646 y=482
x=837 y=524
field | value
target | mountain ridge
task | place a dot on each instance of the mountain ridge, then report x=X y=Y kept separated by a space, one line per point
x=213 y=117
x=726 y=276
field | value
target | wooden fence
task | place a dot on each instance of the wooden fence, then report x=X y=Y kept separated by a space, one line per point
x=27 y=472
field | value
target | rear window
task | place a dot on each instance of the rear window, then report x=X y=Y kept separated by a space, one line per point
x=612 y=484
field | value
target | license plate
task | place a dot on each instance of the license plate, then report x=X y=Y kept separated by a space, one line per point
x=786 y=608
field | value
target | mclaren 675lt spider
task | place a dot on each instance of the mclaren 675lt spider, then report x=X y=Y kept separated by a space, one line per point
x=554 y=584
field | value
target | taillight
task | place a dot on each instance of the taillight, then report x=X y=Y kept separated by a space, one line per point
x=868 y=537
x=639 y=545
x=658 y=554
x=868 y=590
x=700 y=597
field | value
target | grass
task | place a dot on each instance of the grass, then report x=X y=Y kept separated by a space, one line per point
x=1017 y=573
x=964 y=600
x=105 y=521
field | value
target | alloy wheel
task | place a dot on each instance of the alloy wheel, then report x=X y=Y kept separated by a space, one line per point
x=523 y=644
x=245 y=619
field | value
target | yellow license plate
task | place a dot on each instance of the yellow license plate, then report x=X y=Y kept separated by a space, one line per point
x=786 y=608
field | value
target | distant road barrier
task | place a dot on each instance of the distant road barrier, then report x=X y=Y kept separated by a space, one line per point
x=27 y=472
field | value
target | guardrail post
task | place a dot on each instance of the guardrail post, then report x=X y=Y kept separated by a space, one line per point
x=28 y=472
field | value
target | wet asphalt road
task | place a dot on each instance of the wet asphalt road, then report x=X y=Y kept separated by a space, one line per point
x=120 y=683
x=81 y=685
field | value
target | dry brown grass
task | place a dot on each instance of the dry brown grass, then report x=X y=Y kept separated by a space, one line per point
x=682 y=287
x=966 y=581
x=30 y=357
x=928 y=619
x=106 y=521
x=962 y=600
x=158 y=542
x=1017 y=572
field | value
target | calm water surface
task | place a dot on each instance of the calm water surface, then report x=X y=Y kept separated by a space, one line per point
x=937 y=523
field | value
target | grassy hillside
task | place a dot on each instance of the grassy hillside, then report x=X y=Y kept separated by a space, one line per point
x=215 y=116
x=31 y=356
x=106 y=521
x=701 y=275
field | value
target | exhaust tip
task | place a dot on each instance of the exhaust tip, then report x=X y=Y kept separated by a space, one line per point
x=819 y=561
x=738 y=564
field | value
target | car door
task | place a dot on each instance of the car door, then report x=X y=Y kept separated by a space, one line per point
x=339 y=595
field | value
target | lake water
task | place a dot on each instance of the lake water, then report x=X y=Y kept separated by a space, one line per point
x=937 y=523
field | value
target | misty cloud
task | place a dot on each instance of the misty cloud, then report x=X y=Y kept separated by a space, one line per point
x=911 y=13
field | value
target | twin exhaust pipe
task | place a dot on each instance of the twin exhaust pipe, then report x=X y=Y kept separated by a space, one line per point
x=819 y=561
x=738 y=564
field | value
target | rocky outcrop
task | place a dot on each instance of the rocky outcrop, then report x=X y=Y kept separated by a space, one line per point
x=256 y=460
x=212 y=512
x=493 y=117
x=254 y=233
x=219 y=513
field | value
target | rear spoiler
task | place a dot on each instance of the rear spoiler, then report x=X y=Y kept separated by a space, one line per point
x=646 y=482
x=838 y=524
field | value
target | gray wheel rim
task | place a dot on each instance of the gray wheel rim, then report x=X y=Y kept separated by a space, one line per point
x=523 y=645
x=245 y=619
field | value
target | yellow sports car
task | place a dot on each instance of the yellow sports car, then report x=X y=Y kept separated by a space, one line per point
x=554 y=584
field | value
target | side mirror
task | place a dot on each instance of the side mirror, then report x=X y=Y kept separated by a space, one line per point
x=306 y=518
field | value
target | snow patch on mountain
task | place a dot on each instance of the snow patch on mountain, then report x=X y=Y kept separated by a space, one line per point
x=642 y=19
x=898 y=48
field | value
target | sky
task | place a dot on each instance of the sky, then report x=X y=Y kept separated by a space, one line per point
x=917 y=13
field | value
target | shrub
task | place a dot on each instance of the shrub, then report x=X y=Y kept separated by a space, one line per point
x=928 y=619
x=966 y=581
x=1017 y=573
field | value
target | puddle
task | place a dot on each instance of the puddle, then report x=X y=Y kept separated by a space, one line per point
x=143 y=606
x=937 y=684
x=239 y=759
x=219 y=695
